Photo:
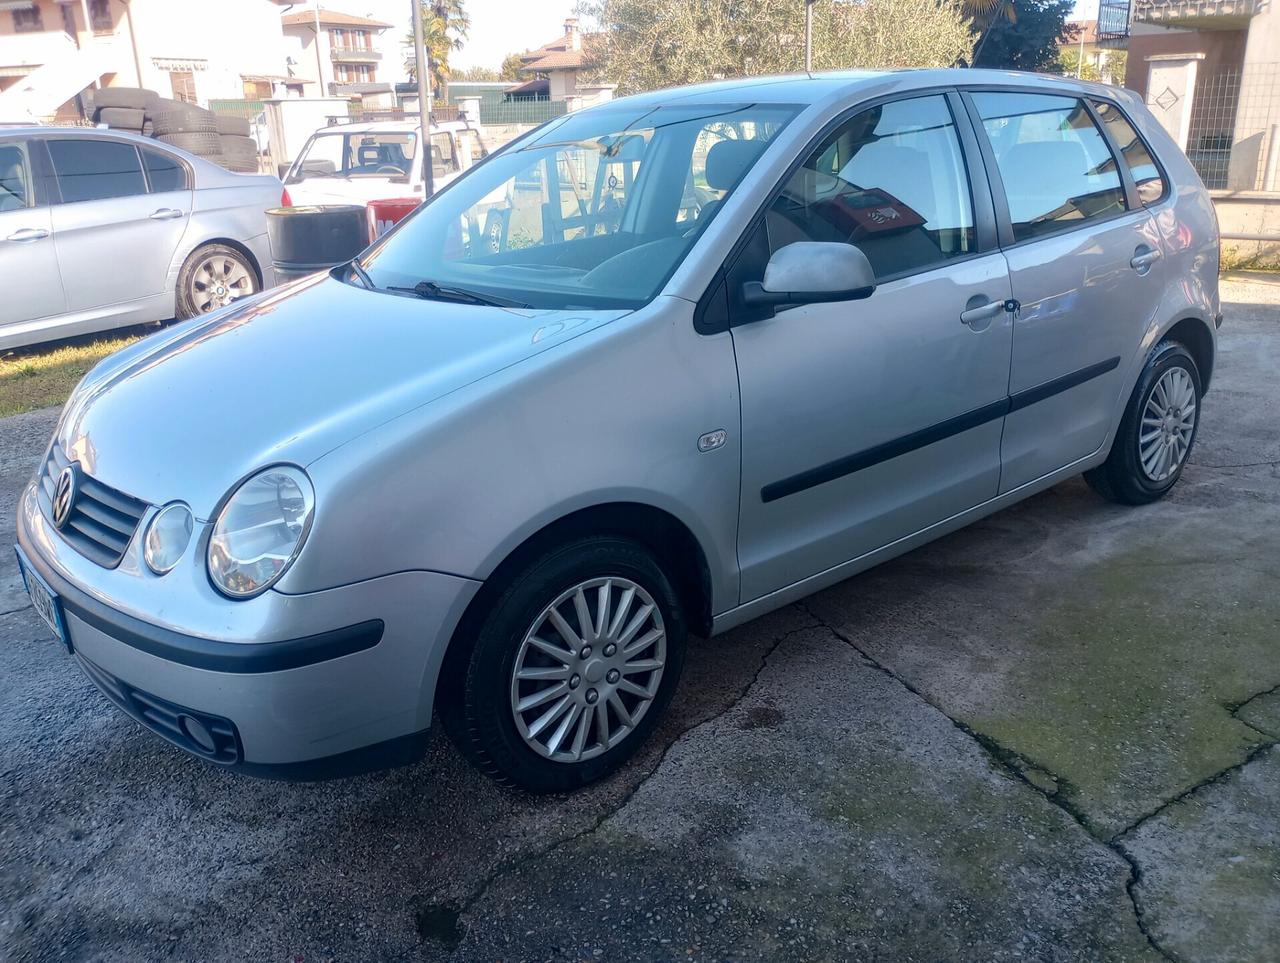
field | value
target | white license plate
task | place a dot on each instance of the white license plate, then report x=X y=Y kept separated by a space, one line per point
x=44 y=600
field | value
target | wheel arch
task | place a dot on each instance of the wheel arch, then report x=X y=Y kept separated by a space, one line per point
x=231 y=243
x=669 y=539
x=1195 y=335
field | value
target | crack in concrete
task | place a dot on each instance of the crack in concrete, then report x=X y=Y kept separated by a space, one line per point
x=457 y=911
x=1018 y=766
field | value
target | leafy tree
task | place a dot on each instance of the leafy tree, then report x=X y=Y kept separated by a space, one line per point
x=510 y=69
x=647 y=44
x=445 y=24
x=473 y=74
x=1031 y=41
x=1070 y=65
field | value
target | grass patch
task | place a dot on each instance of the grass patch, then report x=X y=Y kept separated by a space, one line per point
x=42 y=377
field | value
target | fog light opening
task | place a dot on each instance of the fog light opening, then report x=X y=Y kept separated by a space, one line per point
x=199 y=733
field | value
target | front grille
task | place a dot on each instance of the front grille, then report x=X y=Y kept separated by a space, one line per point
x=102 y=520
x=210 y=737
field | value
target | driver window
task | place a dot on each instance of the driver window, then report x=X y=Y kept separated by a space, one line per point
x=444 y=160
x=892 y=181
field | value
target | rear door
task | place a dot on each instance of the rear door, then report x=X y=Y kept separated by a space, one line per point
x=115 y=239
x=32 y=287
x=1084 y=263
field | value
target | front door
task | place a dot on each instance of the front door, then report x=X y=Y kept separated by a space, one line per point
x=116 y=241
x=1085 y=269
x=867 y=421
x=32 y=287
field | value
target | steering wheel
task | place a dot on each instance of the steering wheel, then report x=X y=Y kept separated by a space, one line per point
x=390 y=169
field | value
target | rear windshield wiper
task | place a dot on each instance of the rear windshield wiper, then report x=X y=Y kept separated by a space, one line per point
x=431 y=291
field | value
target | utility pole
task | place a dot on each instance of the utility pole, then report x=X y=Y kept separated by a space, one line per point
x=324 y=90
x=808 y=36
x=422 y=66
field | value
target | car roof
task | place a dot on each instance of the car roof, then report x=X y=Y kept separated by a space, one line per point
x=813 y=88
x=388 y=126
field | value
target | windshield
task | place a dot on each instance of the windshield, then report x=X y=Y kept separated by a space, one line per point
x=357 y=154
x=597 y=210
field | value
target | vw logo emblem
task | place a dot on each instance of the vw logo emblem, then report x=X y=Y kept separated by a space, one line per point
x=64 y=496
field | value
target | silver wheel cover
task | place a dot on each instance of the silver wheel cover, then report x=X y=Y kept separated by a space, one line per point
x=1168 y=425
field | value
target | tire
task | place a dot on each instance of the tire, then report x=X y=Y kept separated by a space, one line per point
x=188 y=305
x=201 y=143
x=479 y=691
x=183 y=120
x=235 y=126
x=240 y=149
x=122 y=118
x=131 y=98
x=1126 y=477
x=495 y=233
x=148 y=129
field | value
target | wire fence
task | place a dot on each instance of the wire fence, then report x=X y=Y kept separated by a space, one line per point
x=1234 y=134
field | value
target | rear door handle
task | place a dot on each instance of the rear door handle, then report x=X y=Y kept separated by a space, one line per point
x=28 y=234
x=166 y=214
x=975 y=314
x=1143 y=259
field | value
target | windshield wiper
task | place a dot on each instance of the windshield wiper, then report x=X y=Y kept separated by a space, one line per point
x=359 y=272
x=431 y=291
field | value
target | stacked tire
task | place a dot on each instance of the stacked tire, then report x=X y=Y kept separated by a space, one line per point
x=239 y=149
x=189 y=128
x=125 y=108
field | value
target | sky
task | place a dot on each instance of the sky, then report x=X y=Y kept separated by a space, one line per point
x=500 y=27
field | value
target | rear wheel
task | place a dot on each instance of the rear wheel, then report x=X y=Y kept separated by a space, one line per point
x=1157 y=432
x=213 y=277
x=572 y=667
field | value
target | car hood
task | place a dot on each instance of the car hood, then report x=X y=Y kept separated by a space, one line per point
x=286 y=377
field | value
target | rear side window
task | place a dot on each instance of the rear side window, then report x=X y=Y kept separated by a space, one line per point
x=93 y=170
x=890 y=180
x=164 y=172
x=1056 y=168
x=443 y=159
x=1137 y=156
x=15 y=178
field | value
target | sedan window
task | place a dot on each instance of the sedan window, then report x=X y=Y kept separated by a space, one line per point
x=1056 y=168
x=92 y=170
x=164 y=172
x=892 y=181
x=15 y=182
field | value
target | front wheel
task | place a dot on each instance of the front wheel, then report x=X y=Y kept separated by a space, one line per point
x=1157 y=432
x=572 y=668
x=213 y=277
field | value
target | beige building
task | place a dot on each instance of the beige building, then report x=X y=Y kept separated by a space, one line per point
x=553 y=68
x=340 y=53
x=52 y=50
x=1107 y=62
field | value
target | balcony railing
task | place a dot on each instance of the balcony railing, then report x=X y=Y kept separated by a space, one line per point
x=354 y=55
x=1205 y=14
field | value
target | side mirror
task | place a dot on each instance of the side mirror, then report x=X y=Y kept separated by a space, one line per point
x=813 y=272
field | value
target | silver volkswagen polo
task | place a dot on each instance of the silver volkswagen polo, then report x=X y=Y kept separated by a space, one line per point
x=733 y=344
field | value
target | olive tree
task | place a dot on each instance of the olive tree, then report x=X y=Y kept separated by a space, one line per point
x=647 y=44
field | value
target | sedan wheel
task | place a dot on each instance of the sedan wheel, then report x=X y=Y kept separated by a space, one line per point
x=588 y=669
x=213 y=277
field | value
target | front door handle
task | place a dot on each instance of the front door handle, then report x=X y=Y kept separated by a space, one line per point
x=1142 y=260
x=28 y=234
x=166 y=214
x=979 y=309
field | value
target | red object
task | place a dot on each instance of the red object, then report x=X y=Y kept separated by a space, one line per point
x=285 y=199
x=387 y=212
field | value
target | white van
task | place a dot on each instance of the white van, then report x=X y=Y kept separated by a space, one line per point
x=358 y=163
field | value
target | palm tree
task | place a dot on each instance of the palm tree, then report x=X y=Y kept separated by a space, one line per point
x=985 y=14
x=444 y=29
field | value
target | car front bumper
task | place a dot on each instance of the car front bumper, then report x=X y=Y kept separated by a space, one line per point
x=336 y=681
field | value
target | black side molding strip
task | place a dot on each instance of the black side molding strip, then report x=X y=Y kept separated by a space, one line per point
x=934 y=433
x=198 y=652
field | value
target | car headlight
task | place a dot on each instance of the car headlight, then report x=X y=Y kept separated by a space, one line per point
x=260 y=531
x=166 y=537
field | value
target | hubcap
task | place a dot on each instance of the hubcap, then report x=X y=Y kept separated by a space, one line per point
x=588 y=669
x=218 y=280
x=1168 y=424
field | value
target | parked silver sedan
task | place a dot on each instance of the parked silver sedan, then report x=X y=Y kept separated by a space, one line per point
x=100 y=229
x=506 y=484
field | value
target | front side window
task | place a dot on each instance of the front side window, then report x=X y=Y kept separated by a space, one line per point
x=359 y=154
x=15 y=178
x=597 y=210
x=1136 y=154
x=1056 y=168
x=165 y=173
x=94 y=170
x=892 y=181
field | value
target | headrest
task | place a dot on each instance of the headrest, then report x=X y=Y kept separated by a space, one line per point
x=728 y=160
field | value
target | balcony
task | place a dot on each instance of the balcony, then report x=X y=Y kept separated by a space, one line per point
x=354 y=55
x=1197 y=14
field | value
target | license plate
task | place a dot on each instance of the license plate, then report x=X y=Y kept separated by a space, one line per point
x=44 y=600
